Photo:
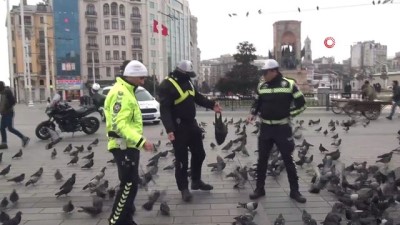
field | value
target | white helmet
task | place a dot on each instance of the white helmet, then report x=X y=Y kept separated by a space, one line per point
x=270 y=64
x=96 y=86
x=135 y=69
x=186 y=67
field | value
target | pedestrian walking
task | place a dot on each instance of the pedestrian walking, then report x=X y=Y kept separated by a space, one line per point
x=124 y=127
x=395 y=98
x=178 y=99
x=275 y=95
x=7 y=103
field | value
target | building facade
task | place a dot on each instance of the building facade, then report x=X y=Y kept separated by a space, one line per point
x=112 y=31
x=68 y=54
x=368 y=55
x=34 y=21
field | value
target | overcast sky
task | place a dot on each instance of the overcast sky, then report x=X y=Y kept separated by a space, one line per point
x=220 y=34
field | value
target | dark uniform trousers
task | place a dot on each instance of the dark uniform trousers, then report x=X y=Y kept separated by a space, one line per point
x=281 y=135
x=188 y=135
x=128 y=164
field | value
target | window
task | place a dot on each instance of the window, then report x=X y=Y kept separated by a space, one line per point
x=91 y=23
x=107 y=40
x=123 y=41
x=90 y=71
x=136 y=41
x=134 y=56
x=41 y=82
x=116 y=71
x=140 y=58
x=43 y=69
x=122 y=10
x=41 y=36
x=108 y=55
x=122 y=25
x=41 y=19
x=114 y=9
x=12 y=35
x=27 y=20
x=97 y=73
x=123 y=55
x=106 y=24
x=15 y=67
x=92 y=40
x=14 y=53
x=136 y=25
x=153 y=41
x=108 y=71
x=135 y=11
x=114 y=24
x=115 y=40
x=152 y=17
x=90 y=9
x=116 y=55
x=152 y=5
x=153 y=53
x=96 y=56
x=106 y=9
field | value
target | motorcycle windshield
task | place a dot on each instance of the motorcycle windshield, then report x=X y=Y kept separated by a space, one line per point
x=56 y=99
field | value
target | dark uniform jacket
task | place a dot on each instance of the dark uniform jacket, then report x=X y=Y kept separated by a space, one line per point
x=185 y=111
x=278 y=99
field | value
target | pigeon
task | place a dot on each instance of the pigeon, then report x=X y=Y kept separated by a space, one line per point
x=58 y=175
x=230 y=156
x=4 y=203
x=18 y=155
x=228 y=146
x=212 y=145
x=259 y=11
x=250 y=205
x=53 y=153
x=335 y=136
x=65 y=190
x=4 y=217
x=319 y=129
x=247 y=14
x=68 y=148
x=219 y=165
x=95 y=209
x=88 y=165
x=164 y=209
x=162 y=132
x=170 y=167
x=69 y=207
x=112 y=161
x=100 y=174
x=17 y=179
x=317 y=7
x=89 y=156
x=322 y=149
x=298 y=9
x=73 y=160
x=70 y=181
x=80 y=148
x=14 y=221
x=5 y=171
x=153 y=197
x=1 y=157
x=325 y=132
x=280 y=220
x=32 y=180
x=14 y=197
x=95 y=142
x=38 y=173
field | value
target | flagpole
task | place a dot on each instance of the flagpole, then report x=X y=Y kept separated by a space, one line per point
x=160 y=41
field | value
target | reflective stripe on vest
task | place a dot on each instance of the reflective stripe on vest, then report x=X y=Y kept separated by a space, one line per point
x=276 y=122
x=267 y=90
x=182 y=95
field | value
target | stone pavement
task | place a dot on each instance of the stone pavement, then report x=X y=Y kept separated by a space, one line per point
x=40 y=207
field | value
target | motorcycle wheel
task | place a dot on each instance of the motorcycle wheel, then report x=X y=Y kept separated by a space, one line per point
x=41 y=130
x=90 y=125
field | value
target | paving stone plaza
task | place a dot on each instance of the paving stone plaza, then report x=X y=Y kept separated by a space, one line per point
x=218 y=207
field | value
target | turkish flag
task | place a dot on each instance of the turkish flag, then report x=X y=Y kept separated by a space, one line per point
x=155 y=24
x=164 y=30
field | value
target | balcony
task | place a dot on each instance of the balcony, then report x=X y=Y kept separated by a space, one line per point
x=136 y=31
x=136 y=16
x=91 y=14
x=41 y=59
x=90 y=60
x=92 y=30
x=136 y=47
x=92 y=46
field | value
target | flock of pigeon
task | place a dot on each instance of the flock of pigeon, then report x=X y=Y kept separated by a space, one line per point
x=365 y=193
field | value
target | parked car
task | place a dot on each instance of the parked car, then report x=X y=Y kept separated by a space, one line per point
x=148 y=104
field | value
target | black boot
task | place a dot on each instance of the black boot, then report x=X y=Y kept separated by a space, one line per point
x=199 y=184
x=298 y=197
x=186 y=195
x=258 y=193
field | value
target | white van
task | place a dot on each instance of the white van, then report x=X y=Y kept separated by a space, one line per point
x=148 y=104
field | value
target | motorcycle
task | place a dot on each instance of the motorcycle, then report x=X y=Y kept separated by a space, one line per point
x=67 y=118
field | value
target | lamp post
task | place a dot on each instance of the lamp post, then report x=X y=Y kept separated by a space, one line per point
x=46 y=49
x=10 y=54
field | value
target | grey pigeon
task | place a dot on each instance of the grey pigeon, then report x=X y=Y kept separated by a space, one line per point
x=73 y=160
x=5 y=171
x=250 y=205
x=18 y=155
x=4 y=203
x=54 y=153
x=17 y=179
x=14 y=197
x=280 y=220
x=95 y=209
x=164 y=209
x=4 y=217
x=58 y=175
x=88 y=165
x=14 y=221
x=69 y=207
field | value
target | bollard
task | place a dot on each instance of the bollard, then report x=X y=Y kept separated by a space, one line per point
x=327 y=102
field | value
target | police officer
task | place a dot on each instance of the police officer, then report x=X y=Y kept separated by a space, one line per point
x=275 y=95
x=178 y=111
x=98 y=100
x=125 y=138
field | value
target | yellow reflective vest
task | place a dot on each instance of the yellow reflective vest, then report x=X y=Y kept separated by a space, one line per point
x=124 y=123
x=182 y=95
